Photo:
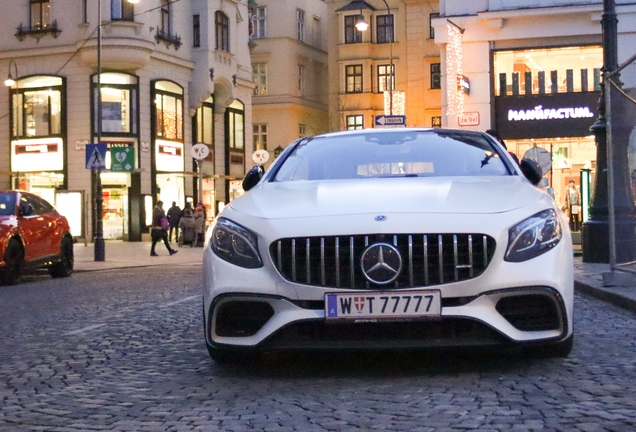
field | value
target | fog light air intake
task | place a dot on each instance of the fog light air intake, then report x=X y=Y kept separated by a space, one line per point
x=242 y=318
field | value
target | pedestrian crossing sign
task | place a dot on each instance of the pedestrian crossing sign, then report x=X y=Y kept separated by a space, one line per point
x=95 y=156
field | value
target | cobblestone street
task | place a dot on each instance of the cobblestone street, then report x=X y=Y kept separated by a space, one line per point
x=123 y=350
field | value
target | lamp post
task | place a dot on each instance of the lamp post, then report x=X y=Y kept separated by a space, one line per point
x=362 y=25
x=596 y=231
x=10 y=82
x=100 y=252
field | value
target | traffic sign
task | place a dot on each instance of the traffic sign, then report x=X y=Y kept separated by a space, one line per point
x=390 y=121
x=200 y=151
x=95 y=156
x=122 y=159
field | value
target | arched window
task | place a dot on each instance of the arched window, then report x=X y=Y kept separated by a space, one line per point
x=169 y=106
x=36 y=106
x=119 y=103
x=222 y=27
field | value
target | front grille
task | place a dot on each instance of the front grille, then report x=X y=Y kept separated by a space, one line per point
x=427 y=259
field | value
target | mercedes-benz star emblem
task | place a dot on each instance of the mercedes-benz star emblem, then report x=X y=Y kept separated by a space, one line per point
x=380 y=218
x=381 y=263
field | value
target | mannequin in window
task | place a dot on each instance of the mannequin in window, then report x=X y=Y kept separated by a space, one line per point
x=573 y=205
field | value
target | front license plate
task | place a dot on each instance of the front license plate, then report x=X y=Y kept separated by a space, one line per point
x=383 y=305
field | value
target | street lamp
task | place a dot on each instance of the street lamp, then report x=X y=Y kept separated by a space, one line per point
x=100 y=252
x=361 y=25
x=10 y=82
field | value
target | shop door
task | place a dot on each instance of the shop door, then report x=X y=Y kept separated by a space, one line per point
x=115 y=212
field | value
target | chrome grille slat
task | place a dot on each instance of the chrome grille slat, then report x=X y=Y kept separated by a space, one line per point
x=427 y=259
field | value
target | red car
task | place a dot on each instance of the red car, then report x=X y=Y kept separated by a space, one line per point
x=32 y=235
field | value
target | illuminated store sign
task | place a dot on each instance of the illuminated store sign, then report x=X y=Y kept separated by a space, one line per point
x=546 y=115
x=169 y=156
x=45 y=154
x=540 y=113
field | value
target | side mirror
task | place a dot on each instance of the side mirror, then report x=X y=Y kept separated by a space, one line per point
x=532 y=170
x=26 y=209
x=253 y=176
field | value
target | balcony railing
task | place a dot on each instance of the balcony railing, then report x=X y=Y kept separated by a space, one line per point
x=168 y=38
x=38 y=31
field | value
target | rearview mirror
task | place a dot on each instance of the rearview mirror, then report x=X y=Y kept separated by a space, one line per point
x=532 y=170
x=253 y=176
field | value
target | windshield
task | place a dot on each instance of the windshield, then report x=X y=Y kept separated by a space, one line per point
x=392 y=154
x=7 y=204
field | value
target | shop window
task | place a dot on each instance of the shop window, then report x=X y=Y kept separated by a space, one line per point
x=122 y=10
x=355 y=122
x=119 y=100
x=169 y=111
x=384 y=27
x=259 y=74
x=353 y=78
x=547 y=70
x=236 y=125
x=222 y=27
x=386 y=79
x=259 y=135
x=36 y=107
x=352 y=34
x=205 y=122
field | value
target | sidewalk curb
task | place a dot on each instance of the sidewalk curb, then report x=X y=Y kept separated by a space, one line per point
x=613 y=296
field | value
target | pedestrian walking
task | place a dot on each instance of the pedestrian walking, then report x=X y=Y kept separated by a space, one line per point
x=174 y=214
x=160 y=226
x=199 y=225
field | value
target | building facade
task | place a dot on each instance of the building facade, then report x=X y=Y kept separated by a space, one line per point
x=531 y=70
x=289 y=66
x=390 y=68
x=173 y=73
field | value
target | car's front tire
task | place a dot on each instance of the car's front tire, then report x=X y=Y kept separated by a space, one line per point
x=64 y=268
x=14 y=262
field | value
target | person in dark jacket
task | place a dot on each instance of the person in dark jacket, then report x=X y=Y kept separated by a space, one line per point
x=158 y=233
x=174 y=214
x=186 y=226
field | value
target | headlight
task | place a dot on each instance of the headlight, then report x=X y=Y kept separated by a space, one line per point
x=534 y=236
x=235 y=244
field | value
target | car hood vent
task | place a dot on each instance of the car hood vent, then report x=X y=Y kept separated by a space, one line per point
x=424 y=259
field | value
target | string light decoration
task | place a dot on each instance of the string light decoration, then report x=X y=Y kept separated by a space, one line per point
x=399 y=101
x=454 y=59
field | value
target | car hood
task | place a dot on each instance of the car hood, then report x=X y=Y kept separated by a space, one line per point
x=441 y=195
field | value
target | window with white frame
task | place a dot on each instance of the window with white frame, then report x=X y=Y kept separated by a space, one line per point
x=352 y=34
x=431 y=29
x=353 y=79
x=300 y=24
x=222 y=31
x=259 y=74
x=259 y=135
x=386 y=80
x=301 y=80
x=302 y=131
x=384 y=27
x=259 y=23
x=40 y=14
x=355 y=122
